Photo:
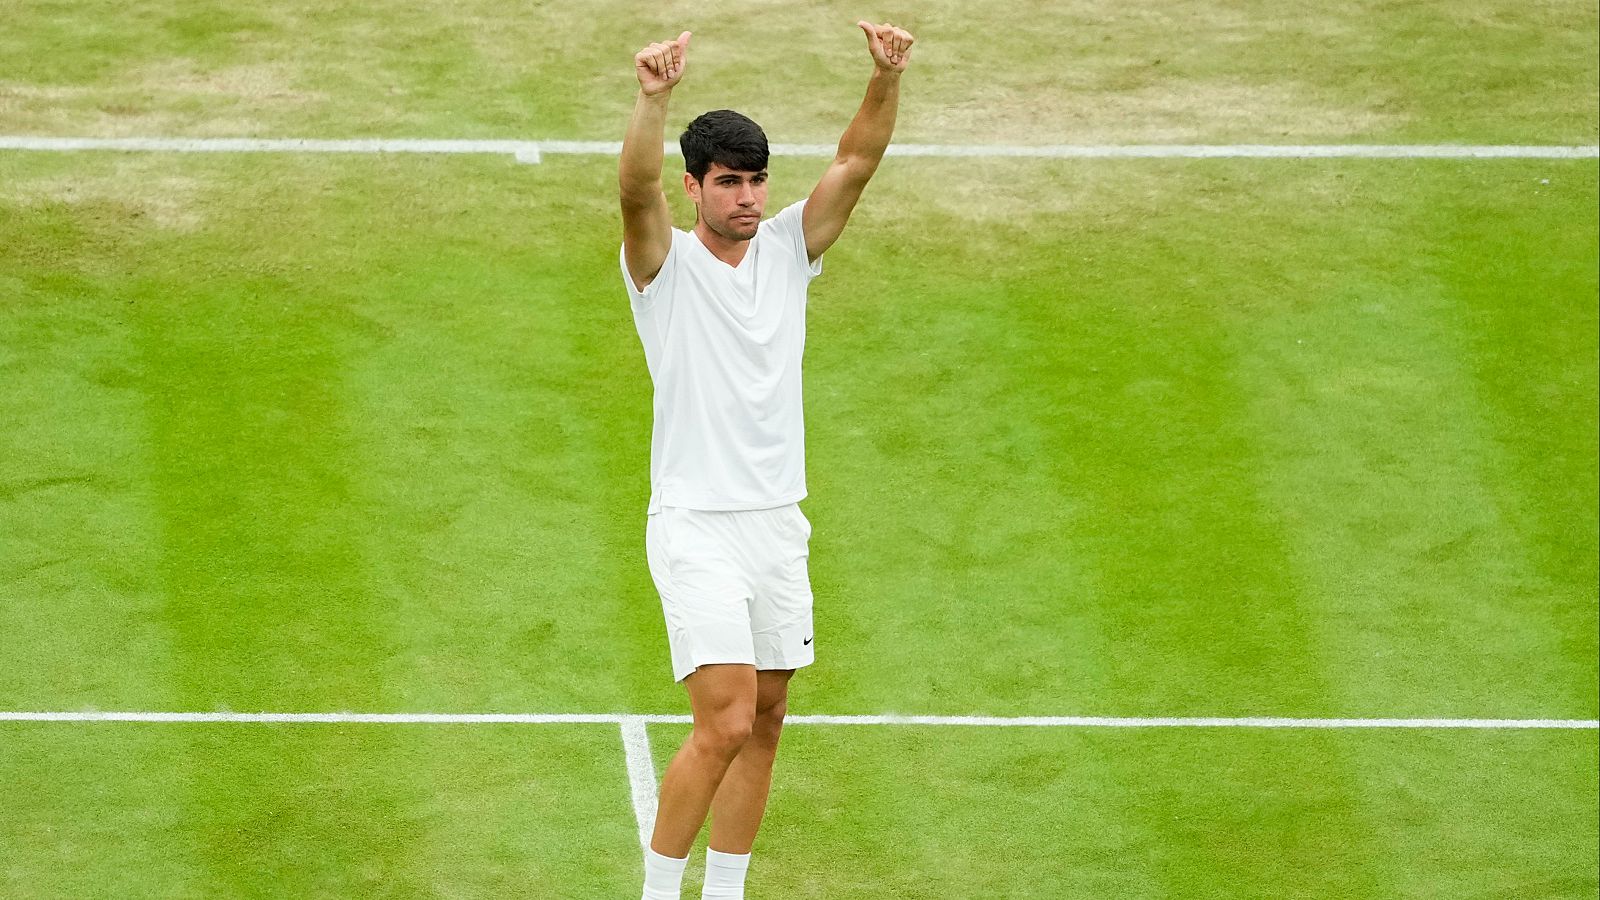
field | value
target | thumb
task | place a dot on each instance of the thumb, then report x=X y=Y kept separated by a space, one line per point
x=872 y=33
x=683 y=39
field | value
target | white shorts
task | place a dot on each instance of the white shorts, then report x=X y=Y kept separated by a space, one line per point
x=734 y=586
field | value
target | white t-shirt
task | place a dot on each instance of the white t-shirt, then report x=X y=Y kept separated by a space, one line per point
x=723 y=346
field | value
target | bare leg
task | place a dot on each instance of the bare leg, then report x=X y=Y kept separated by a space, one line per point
x=741 y=800
x=723 y=698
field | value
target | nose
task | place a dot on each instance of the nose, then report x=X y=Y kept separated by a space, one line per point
x=747 y=194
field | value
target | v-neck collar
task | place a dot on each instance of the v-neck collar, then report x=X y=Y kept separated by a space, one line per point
x=748 y=252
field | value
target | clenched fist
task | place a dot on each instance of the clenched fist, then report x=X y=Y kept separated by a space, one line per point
x=660 y=65
x=890 y=46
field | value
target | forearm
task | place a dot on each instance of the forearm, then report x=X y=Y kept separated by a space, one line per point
x=864 y=142
x=642 y=147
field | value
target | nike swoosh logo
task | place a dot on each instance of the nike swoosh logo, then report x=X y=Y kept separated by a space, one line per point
x=807 y=641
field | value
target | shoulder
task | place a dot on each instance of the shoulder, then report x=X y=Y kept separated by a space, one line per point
x=787 y=228
x=788 y=218
x=661 y=283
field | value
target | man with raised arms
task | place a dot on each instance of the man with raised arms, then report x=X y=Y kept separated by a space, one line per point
x=720 y=311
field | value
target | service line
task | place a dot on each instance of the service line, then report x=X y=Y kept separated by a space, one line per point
x=641 y=775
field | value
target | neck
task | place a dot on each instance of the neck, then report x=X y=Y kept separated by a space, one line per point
x=729 y=251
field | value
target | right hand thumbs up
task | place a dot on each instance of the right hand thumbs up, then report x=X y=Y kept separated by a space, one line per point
x=660 y=65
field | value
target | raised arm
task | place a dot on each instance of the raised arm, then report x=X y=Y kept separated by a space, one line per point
x=863 y=143
x=646 y=220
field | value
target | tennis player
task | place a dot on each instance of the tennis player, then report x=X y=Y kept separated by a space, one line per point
x=720 y=311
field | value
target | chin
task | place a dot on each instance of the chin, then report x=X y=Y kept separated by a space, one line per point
x=733 y=231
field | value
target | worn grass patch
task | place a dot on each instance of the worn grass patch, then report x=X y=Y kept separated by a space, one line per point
x=138 y=184
x=1032 y=72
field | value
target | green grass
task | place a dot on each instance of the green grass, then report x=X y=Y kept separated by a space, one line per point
x=913 y=812
x=1226 y=438
x=541 y=811
x=1256 y=418
x=118 y=810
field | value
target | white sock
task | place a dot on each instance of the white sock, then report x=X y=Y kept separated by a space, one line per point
x=663 y=876
x=725 y=875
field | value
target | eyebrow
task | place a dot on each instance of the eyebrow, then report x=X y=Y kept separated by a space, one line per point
x=734 y=176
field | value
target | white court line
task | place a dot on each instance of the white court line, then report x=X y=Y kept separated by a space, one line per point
x=1191 y=722
x=642 y=786
x=533 y=151
x=630 y=719
x=641 y=775
x=318 y=718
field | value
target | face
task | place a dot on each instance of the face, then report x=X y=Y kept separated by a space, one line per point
x=730 y=201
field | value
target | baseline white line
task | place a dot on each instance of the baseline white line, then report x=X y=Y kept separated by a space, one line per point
x=532 y=151
x=1192 y=722
x=629 y=719
x=318 y=718
x=641 y=775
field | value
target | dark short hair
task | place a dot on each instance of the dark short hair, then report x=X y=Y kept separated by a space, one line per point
x=726 y=137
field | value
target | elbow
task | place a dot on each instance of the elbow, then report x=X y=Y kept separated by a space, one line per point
x=637 y=193
x=857 y=167
x=633 y=182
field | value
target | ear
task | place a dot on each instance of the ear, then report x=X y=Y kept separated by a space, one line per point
x=691 y=187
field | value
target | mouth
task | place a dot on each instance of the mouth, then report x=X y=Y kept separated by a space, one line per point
x=747 y=220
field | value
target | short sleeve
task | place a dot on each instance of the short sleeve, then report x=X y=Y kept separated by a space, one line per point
x=652 y=291
x=789 y=224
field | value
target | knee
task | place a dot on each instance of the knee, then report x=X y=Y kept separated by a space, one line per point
x=725 y=734
x=768 y=723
